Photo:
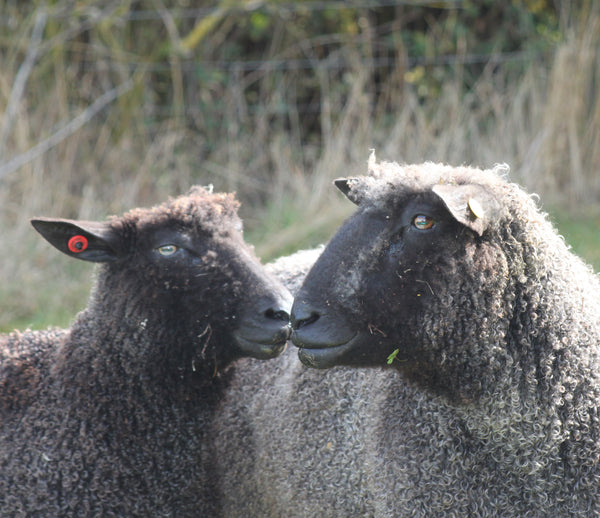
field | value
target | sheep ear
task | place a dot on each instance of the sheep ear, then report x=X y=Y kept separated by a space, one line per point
x=86 y=240
x=472 y=205
x=345 y=185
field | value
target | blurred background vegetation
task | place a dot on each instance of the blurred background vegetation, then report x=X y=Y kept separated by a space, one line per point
x=107 y=105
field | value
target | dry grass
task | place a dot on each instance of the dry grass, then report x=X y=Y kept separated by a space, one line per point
x=545 y=123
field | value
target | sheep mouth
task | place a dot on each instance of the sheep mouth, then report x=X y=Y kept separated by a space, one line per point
x=323 y=356
x=262 y=346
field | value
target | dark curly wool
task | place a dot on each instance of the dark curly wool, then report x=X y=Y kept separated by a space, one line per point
x=490 y=406
x=111 y=416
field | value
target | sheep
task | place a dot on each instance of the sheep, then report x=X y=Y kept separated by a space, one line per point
x=480 y=331
x=469 y=385
x=111 y=417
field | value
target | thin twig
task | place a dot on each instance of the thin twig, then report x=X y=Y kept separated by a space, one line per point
x=68 y=129
x=425 y=282
x=176 y=69
x=21 y=78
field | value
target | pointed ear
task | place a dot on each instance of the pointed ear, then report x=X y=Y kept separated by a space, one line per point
x=86 y=240
x=472 y=205
x=345 y=185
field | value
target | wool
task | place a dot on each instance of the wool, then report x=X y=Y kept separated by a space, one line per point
x=111 y=417
x=290 y=439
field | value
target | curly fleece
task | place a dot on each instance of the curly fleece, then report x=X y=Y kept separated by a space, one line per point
x=496 y=411
x=294 y=445
x=110 y=417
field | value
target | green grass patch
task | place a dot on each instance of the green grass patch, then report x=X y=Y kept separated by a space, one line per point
x=582 y=232
x=287 y=225
x=50 y=295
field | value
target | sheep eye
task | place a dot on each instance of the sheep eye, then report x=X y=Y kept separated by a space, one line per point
x=423 y=222
x=167 y=250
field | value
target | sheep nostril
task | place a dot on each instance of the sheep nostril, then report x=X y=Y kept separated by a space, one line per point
x=298 y=322
x=277 y=314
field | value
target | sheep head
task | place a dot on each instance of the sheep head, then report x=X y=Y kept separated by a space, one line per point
x=400 y=272
x=182 y=265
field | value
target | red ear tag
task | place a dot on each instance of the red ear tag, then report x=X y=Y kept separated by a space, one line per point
x=77 y=244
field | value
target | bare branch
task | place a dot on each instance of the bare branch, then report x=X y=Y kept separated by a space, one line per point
x=22 y=76
x=67 y=130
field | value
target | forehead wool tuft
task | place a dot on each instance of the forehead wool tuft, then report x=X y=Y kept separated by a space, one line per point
x=385 y=178
x=200 y=206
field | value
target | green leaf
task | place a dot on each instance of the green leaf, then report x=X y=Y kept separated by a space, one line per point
x=392 y=356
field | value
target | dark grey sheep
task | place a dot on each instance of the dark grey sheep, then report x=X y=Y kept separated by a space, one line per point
x=111 y=417
x=491 y=403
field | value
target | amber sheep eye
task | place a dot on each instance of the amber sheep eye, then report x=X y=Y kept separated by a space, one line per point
x=423 y=222
x=167 y=250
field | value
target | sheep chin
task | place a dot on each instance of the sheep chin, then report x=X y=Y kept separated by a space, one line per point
x=261 y=349
x=327 y=357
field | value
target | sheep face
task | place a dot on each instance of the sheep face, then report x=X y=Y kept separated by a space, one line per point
x=184 y=262
x=397 y=271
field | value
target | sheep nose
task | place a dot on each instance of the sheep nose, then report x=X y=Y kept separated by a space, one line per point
x=303 y=315
x=263 y=327
x=275 y=308
x=277 y=314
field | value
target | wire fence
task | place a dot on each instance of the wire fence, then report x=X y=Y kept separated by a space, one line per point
x=125 y=61
x=141 y=15
x=272 y=65
x=124 y=66
x=201 y=85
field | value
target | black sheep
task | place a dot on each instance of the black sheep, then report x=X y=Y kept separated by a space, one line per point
x=110 y=417
x=464 y=341
x=491 y=328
